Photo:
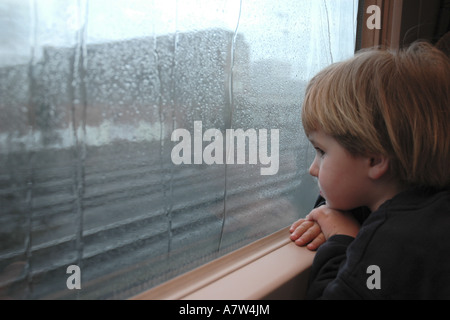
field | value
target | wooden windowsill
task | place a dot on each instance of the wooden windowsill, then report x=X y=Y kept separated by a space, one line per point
x=270 y=268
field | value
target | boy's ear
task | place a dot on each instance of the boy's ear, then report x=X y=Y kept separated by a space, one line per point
x=378 y=166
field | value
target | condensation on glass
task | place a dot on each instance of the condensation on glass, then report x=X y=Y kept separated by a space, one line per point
x=90 y=94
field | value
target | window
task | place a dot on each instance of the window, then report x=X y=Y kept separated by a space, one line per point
x=141 y=139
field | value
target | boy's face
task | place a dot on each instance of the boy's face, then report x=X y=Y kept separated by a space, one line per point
x=342 y=178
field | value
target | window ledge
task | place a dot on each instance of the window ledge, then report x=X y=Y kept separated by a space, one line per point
x=270 y=268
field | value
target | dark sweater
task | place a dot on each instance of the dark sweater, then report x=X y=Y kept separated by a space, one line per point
x=408 y=238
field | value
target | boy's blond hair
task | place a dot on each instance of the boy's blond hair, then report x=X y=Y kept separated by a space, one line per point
x=390 y=103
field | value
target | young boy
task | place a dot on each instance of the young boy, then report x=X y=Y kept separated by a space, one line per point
x=380 y=123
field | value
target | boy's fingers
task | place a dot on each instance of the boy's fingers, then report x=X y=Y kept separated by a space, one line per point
x=301 y=229
x=317 y=242
x=306 y=236
x=296 y=224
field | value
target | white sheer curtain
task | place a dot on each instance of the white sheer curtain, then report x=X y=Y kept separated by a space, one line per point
x=91 y=92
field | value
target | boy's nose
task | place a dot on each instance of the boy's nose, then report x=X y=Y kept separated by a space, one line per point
x=314 y=169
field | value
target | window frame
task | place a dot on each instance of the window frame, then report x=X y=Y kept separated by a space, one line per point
x=402 y=22
x=272 y=268
x=391 y=22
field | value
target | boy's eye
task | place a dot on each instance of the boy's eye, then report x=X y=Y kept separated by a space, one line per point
x=320 y=152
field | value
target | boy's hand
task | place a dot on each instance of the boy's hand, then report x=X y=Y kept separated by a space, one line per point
x=333 y=222
x=306 y=232
x=321 y=224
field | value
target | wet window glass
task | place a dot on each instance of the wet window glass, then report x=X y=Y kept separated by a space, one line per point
x=141 y=139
